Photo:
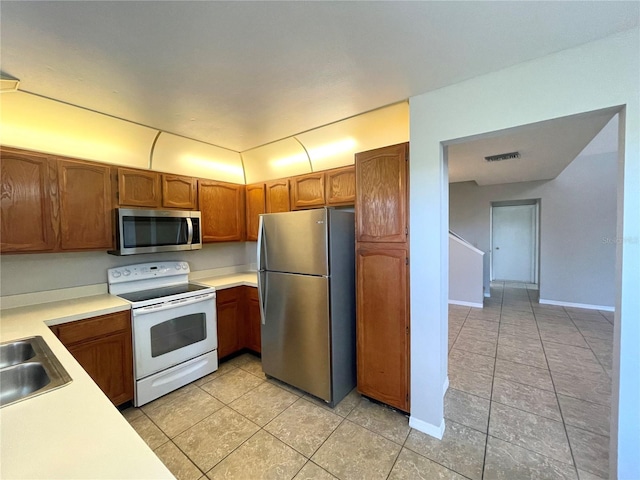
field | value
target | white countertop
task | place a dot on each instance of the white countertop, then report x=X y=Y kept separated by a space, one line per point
x=75 y=431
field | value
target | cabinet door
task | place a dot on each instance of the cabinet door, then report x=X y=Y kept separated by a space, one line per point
x=253 y=320
x=307 y=191
x=102 y=346
x=381 y=194
x=341 y=186
x=255 y=206
x=229 y=319
x=138 y=188
x=277 y=196
x=85 y=206
x=29 y=205
x=222 y=207
x=382 y=326
x=179 y=192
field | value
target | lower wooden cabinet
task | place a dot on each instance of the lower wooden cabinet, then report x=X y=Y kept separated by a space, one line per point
x=102 y=345
x=382 y=323
x=238 y=317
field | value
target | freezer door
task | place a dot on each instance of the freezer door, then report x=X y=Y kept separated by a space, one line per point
x=294 y=242
x=295 y=332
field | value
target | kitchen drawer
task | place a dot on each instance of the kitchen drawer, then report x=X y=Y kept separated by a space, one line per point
x=73 y=332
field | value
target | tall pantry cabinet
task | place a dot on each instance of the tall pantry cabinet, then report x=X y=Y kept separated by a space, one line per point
x=382 y=274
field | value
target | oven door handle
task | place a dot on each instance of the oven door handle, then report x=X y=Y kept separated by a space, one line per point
x=173 y=304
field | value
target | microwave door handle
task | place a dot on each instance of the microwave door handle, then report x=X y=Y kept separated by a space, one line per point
x=189 y=231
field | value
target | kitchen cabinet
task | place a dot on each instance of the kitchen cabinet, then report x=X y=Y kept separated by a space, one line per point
x=307 y=191
x=222 y=208
x=382 y=275
x=340 y=184
x=139 y=188
x=382 y=194
x=382 y=324
x=179 y=192
x=229 y=305
x=277 y=196
x=29 y=220
x=85 y=205
x=252 y=338
x=255 y=205
x=102 y=346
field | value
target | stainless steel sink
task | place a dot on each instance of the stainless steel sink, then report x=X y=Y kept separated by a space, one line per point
x=16 y=352
x=28 y=367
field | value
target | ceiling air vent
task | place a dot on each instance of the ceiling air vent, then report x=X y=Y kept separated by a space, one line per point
x=502 y=156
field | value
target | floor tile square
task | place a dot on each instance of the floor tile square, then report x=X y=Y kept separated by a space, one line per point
x=527 y=398
x=382 y=420
x=231 y=386
x=526 y=330
x=304 y=426
x=526 y=374
x=475 y=323
x=572 y=360
x=149 y=431
x=470 y=381
x=261 y=457
x=214 y=438
x=506 y=461
x=529 y=356
x=177 y=462
x=410 y=466
x=470 y=333
x=533 y=432
x=466 y=409
x=590 y=450
x=472 y=361
x=263 y=403
x=585 y=415
x=461 y=448
x=476 y=346
x=592 y=388
x=344 y=408
x=182 y=412
x=223 y=368
x=354 y=452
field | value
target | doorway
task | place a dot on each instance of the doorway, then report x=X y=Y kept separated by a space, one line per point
x=514 y=241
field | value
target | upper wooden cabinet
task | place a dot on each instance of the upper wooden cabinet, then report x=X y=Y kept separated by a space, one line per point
x=382 y=194
x=340 y=186
x=277 y=196
x=139 y=188
x=255 y=205
x=85 y=205
x=222 y=207
x=179 y=192
x=307 y=191
x=29 y=202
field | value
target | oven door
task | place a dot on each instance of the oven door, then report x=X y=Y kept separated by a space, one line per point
x=171 y=333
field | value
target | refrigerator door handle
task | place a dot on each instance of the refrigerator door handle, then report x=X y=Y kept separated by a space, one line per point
x=262 y=253
x=262 y=284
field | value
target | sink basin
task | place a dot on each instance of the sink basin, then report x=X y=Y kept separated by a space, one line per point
x=20 y=381
x=28 y=367
x=14 y=353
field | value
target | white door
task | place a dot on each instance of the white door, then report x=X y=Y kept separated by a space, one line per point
x=513 y=243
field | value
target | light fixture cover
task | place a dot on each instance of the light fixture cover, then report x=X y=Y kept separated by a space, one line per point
x=8 y=83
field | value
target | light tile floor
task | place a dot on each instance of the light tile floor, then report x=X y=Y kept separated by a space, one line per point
x=529 y=398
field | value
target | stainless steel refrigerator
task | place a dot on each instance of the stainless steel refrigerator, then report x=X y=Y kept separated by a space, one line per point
x=307 y=300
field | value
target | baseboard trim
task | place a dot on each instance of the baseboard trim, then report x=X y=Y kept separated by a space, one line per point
x=424 y=427
x=465 y=304
x=487 y=294
x=586 y=306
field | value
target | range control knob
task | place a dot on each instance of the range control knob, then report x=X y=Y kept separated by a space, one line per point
x=115 y=274
x=178 y=267
x=185 y=266
x=126 y=272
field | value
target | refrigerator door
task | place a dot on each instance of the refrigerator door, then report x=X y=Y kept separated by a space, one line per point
x=294 y=242
x=296 y=332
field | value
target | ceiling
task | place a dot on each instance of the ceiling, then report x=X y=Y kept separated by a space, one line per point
x=242 y=74
x=545 y=148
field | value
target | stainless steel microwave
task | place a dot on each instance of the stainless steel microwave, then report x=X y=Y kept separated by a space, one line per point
x=152 y=231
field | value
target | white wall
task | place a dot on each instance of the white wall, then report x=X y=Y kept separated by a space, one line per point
x=577 y=226
x=51 y=271
x=593 y=76
x=466 y=266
